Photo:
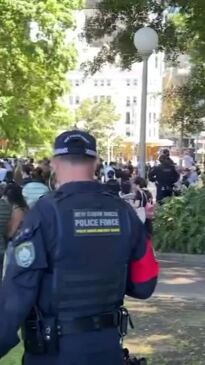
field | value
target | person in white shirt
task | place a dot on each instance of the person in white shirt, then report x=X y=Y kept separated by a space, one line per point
x=188 y=161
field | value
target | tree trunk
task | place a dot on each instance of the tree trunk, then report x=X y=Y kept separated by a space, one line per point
x=181 y=145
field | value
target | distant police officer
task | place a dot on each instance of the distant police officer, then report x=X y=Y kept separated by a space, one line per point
x=79 y=252
x=165 y=176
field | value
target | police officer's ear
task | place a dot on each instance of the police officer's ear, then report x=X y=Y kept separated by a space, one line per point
x=55 y=162
x=95 y=162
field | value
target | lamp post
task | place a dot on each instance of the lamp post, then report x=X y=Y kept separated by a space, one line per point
x=145 y=40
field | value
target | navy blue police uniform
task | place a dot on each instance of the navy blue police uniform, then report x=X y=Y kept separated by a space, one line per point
x=165 y=176
x=80 y=250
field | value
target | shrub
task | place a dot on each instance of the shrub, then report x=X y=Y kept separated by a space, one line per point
x=179 y=225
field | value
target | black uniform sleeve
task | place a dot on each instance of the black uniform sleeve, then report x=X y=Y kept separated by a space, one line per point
x=20 y=284
x=153 y=174
x=143 y=269
x=176 y=176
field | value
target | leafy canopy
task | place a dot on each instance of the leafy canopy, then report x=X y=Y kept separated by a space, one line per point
x=179 y=23
x=184 y=104
x=34 y=58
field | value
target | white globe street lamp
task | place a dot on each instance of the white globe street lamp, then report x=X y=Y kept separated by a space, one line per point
x=146 y=41
x=81 y=124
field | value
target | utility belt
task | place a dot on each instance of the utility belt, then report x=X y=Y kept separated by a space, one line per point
x=165 y=187
x=41 y=335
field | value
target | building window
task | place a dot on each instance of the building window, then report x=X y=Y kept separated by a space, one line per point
x=128 y=82
x=109 y=99
x=102 y=97
x=156 y=61
x=135 y=82
x=77 y=100
x=128 y=119
x=71 y=100
x=95 y=82
x=128 y=133
x=154 y=117
x=134 y=100
x=134 y=116
x=108 y=82
x=128 y=102
x=77 y=83
x=95 y=99
x=150 y=132
x=102 y=83
x=150 y=118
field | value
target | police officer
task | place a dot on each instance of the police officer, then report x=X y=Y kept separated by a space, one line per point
x=165 y=176
x=80 y=250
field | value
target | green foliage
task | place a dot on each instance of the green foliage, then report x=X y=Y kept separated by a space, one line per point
x=179 y=225
x=118 y=20
x=14 y=357
x=34 y=60
x=99 y=120
x=181 y=30
x=184 y=107
x=192 y=14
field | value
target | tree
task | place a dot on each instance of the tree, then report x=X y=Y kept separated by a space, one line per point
x=118 y=20
x=184 y=107
x=179 y=23
x=191 y=22
x=99 y=120
x=34 y=59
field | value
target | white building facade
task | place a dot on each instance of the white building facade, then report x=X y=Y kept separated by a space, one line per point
x=121 y=87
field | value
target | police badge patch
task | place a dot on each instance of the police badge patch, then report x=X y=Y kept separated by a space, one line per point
x=25 y=254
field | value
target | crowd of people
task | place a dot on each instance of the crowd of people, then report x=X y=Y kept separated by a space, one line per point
x=169 y=178
x=23 y=182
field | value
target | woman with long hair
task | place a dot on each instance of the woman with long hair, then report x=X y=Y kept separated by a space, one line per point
x=13 y=193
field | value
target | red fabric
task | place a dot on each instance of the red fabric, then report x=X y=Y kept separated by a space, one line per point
x=146 y=268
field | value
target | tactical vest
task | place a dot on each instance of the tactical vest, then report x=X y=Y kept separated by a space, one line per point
x=165 y=175
x=90 y=269
x=81 y=294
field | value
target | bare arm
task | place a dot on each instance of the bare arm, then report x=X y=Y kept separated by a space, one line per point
x=16 y=219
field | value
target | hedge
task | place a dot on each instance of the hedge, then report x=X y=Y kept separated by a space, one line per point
x=179 y=224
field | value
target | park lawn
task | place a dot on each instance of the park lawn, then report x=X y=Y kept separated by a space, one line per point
x=167 y=331
x=14 y=357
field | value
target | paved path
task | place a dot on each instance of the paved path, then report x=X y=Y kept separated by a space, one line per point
x=181 y=281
